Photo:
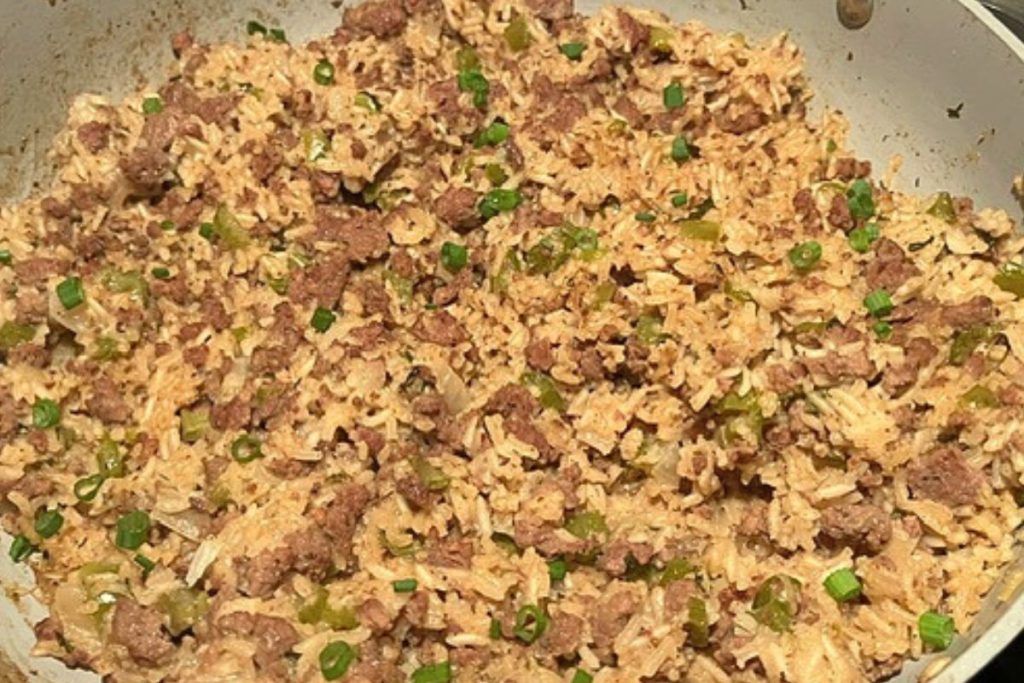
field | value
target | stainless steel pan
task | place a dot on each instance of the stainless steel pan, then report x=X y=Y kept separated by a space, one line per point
x=901 y=79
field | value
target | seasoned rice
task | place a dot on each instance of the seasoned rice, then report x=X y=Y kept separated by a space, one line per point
x=489 y=342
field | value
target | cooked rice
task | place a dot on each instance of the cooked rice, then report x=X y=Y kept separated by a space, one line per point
x=400 y=443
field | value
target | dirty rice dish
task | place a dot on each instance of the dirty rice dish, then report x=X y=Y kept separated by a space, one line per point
x=499 y=344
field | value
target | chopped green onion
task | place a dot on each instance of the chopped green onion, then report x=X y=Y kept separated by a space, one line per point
x=322 y=319
x=582 y=676
x=429 y=475
x=494 y=134
x=673 y=97
x=805 y=256
x=587 y=525
x=1011 y=279
x=499 y=200
x=506 y=543
x=206 y=231
x=368 y=102
x=543 y=258
x=316 y=143
x=733 y=403
x=776 y=602
x=147 y=564
x=843 y=585
x=660 y=40
x=701 y=230
x=275 y=34
x=531 y=622
x=648 y=330
x=510 y=264
x=466 y=59
x=831 y=146
x=132 y=530
x=517 y=34
x=549 y=397
x=246 y=448
x=676 y=569
x=279 y=285
x=495 y=174
x=581 y=239
x=860 y=200
x=167 y=225
x=557 y=569
x=45 y=413
x=405 y=585
x=194 y=424
x=433 y=673
x=335 y=659
x=71 y=293
x=696 y=626
x=152 y=105
x=966 y=341
x=109 y=459
x=680 y=200
x=617 y=128
x=942 y=208
x=228 y=229
x=878 y=303
x=317 y=610
x=184 y=607
x=403 y=286
x=161 y=273
x=735 y=293
x=573 y=51
x=107 y=349
x=20 y=549
x=883 y=329
x=13 y=334
x=474 y=82
x=860 y=239
x=645 y=217
x=701 y=209
x=131 y=282
x=494 y=631
x=86 y=488
x=49 y=523
x=980 y=396
x=680 y=149
x=6 y=257
x=936 y=630
x=453 y=257
x=323 y=72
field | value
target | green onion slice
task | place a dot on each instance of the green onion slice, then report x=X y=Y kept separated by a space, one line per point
x=71 y=293
x=878 y=303
x=86 y=488
x=246 y=448
x=323 y=72
x=936 y=630
x=49 y=523
x=843 y=585
x=573 y=51
x=433 y=673
x=45 y=413
x=132 y=530
x=531 y=622
x=335 y=659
